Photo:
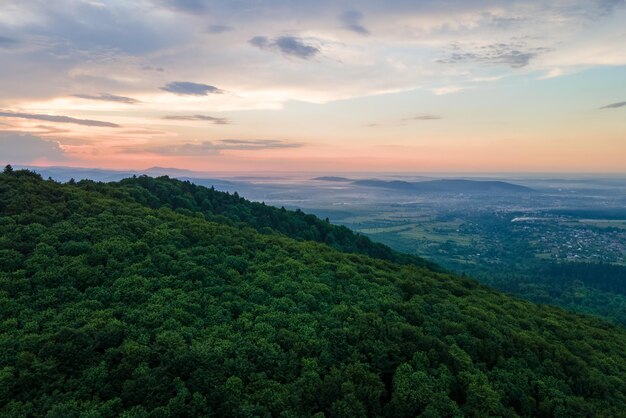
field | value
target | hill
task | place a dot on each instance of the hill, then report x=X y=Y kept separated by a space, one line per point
x=232 y=209
x=110 y=307
x=176 y=172
x=331 y=178
x=447 y=186
x=64 y=174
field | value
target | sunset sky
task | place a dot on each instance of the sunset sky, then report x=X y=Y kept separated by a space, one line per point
x=328 y=86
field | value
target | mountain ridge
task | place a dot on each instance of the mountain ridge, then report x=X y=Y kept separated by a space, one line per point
x=447 y=186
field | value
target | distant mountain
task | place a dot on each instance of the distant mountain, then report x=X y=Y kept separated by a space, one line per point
x=64 y=174
x=394 y=184
x=447 y=186
x=331 y=178
x=172 y=172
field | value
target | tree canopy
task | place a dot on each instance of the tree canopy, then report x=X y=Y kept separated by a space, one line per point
x=126 y=300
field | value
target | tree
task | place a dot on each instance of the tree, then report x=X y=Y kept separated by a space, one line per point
x=8 y=169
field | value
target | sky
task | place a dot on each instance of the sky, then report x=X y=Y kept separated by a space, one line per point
x=320 y=86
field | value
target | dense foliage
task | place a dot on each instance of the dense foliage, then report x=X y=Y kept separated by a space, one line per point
x=593 y=288
x=504 y=254
x=109 y=307
x=219 y=206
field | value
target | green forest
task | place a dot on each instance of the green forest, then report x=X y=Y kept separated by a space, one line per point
x=158 y=298
x=591 y=288
x=504 y=255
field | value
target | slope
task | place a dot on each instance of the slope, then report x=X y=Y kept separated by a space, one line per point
x=234 y=210
x=110 y=308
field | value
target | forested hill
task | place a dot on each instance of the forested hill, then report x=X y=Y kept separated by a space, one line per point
x=447 y=186
x=109 y=307
x=232 y=209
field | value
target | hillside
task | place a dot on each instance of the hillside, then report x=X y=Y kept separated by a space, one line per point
x=231 y=209
x=113 y=304
x=447 y=186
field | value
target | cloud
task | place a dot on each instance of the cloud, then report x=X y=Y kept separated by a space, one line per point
x=81 y=30
x=514 y=55
x=287 y=45
x=551 y=73
x=215 y=148
x=188 y=6
x=18 y=147
x=614 y=105
x=187 y=88
x=214 y=120
x=441 y=91
x=49 y=130
x=258 y=143
x=58 y=119
x=502 y=21
x=215 y=29
x=151 y=68
x=352 y=21
x=423 y=117
x=106 y=97
x=607 y=7
x=66 y=44
x=400 y=122
x=7 y=42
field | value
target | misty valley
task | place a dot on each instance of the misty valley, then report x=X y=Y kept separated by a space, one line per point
x=561 y=241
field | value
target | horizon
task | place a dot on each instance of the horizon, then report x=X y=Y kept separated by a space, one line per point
x=385 y=174
x=477 y=87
